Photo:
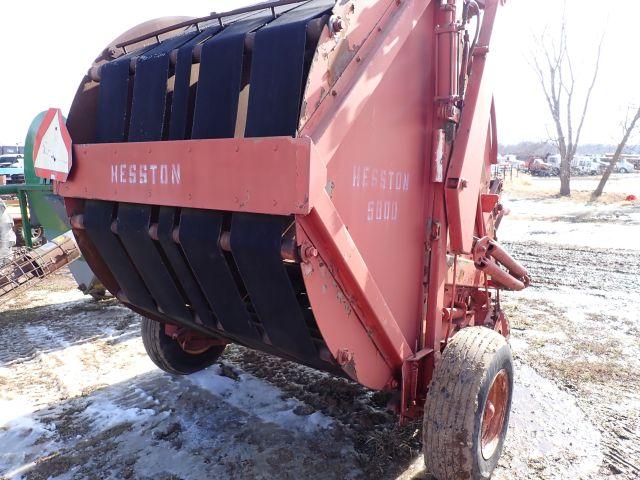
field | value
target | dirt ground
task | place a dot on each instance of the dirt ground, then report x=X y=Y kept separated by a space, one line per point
x=79 y=398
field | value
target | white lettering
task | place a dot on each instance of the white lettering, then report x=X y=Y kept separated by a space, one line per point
x=132 y=173
x=365 y=177
x=164 y=174
x=153 y=169
x=175 y=174
x=405 y=183
x=382 y=211
x=398 y=180
x=356 y=176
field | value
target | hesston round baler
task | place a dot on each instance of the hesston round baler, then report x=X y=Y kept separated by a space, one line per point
x=312 y=180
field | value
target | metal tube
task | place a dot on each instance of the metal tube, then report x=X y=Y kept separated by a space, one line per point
x=502 y=257
x=37 y=264
x=500 y=277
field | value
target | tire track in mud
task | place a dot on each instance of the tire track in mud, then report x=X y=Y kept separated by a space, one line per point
x=553 y=266
x=612 y=277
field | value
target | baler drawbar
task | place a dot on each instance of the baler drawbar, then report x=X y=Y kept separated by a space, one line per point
x=310 y=179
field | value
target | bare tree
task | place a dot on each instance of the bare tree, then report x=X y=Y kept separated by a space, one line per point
x=627 y=129
x=553 y=65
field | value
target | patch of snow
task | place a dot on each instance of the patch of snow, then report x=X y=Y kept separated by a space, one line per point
x=22 y=436
x=260 y=399
x=104 y=414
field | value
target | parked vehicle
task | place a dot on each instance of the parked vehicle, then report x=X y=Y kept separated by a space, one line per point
x=9 y=159
x=624 y=166
x=539 y=168
x=12 y=170
x=586 y=166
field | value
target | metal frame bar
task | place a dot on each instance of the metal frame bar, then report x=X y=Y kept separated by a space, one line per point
x=213 y=16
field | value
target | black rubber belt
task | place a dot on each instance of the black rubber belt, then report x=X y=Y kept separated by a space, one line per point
x=166 y=223
x=179 y=128
x=199 y=234
x=98 y=216
x=220 y=76
x=112 y=115
x=256 y=242
x=277 y=72
x=133 y=220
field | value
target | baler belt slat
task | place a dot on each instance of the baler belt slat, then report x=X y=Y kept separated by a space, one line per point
x=199 y=234
x=220 y=76
x=182 y=86
x=98 y=218
x=277 y=71
x=133 y=229
x=166 y=222
x=220 y=80
x=149 y=95
x=256 y=242
x=133 y=221
x=113 y=101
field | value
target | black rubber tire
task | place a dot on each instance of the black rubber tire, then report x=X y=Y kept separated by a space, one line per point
x=456 y=401
x=169 y=356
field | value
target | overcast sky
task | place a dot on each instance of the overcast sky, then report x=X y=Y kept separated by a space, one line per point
x=46 y=47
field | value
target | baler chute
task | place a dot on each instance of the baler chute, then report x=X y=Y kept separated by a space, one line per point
x=312 y=180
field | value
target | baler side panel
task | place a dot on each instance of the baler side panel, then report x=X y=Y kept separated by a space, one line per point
x=361 y=130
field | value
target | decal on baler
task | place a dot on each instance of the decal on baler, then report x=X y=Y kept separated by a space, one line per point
x=143 y=174
x=384 y=182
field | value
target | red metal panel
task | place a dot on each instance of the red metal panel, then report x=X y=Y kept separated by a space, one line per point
x=468 y=157
x=269 y=175
x=374 y=146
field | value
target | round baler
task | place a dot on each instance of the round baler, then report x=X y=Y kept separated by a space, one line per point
x=312 y=180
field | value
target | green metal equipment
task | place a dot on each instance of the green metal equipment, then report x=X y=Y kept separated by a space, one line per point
x=40 y=207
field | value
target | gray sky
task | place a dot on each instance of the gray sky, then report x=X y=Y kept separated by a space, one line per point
x=46 y=47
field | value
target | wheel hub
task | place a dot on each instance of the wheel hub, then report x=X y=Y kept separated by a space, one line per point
x=495 y=412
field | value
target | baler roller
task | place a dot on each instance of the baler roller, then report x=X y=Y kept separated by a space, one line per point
x=238 y=286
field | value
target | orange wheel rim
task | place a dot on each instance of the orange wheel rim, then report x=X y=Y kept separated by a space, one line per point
x=495 y=412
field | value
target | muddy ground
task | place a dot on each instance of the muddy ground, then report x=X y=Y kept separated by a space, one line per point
x=79 y=398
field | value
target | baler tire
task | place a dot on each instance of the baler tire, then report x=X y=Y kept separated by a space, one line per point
x=453 y=430
x=167 y=354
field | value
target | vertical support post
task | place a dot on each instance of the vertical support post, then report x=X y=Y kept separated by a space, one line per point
x=26 y=222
